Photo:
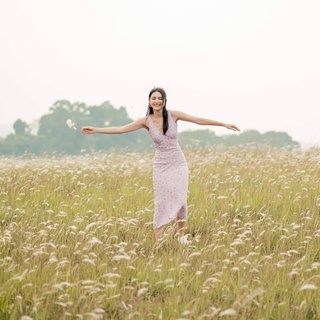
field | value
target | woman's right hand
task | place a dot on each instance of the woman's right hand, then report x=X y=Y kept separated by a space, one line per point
x=88 y=130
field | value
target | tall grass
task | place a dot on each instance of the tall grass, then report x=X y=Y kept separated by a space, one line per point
x=76 y=238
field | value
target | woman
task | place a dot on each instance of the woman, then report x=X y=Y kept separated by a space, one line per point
x=170 y=171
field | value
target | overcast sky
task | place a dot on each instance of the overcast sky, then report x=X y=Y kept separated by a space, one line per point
x=255 y=63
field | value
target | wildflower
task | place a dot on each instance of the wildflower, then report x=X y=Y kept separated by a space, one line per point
x=228 y=312
x=142 y=291
x=308 y=287
x=70 y=124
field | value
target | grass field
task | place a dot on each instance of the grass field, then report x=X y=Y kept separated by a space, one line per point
x=76 y=237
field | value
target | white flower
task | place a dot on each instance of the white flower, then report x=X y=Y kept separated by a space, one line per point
x=308 y=286
x=228 y=312
x=70 y=124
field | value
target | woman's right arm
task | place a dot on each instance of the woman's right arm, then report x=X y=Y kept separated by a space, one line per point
x=133 y=126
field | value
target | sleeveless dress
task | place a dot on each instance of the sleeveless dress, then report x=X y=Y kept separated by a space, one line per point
x=170 y=175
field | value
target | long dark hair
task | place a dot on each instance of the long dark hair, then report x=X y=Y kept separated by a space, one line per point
x=165 y=124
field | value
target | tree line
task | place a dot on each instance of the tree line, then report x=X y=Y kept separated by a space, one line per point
x=54 y=136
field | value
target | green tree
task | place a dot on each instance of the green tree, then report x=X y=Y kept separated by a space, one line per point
x=54 y=136
x=20 y=127
x=278 y=139
x=199 y=138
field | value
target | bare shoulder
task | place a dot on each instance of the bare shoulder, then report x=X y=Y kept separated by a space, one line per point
x=176 y=115
x=143 y=122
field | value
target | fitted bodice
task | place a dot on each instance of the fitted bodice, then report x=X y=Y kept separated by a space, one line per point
x=164 y=141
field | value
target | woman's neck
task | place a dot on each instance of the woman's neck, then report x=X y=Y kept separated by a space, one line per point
x=157 y=114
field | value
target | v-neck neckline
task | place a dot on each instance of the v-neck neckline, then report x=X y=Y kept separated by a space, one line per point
x=155 y=125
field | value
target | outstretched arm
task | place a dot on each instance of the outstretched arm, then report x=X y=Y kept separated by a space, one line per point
x=178 y=115
x=133 y=126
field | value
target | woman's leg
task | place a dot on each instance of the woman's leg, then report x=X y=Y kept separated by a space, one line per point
x=181 y=227
x=182 y=238
x=158 y=233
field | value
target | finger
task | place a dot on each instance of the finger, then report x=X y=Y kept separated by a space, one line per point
x=235 y=127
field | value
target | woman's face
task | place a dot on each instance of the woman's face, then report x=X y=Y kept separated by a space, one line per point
x=156 y=101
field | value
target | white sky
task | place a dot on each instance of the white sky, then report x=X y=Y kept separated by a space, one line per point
x=255 y=63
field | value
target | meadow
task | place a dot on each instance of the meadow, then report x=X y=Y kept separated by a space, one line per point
x=76 y=237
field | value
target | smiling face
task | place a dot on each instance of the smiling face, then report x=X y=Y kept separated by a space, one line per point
x=157 y=104
x=156 y=101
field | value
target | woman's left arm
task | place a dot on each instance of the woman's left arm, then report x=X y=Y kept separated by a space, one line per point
x=178 y=115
